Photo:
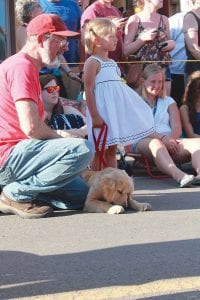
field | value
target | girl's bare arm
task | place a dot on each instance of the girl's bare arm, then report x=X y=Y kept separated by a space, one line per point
x=170 y=43
x=175 y=121
x=131 y=46
x=91 y=69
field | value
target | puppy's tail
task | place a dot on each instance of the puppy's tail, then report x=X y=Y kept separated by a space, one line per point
x=87 y=174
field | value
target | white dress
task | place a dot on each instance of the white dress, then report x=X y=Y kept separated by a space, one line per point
x=126 y=114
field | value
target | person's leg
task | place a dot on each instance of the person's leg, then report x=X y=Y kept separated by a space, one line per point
x=177 y=88
x=192 y=147
x=44 y=166
x=70 y=196
x=156 y=150
x=110 y=156
x=95 y=165
x=168 y=81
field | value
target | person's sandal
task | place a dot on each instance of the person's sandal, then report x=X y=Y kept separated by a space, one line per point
x=196 y=181
x=186 y=181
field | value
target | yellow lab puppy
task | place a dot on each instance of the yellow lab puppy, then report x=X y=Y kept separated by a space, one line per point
x=110 y=191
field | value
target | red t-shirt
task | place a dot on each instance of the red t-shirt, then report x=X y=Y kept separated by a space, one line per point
x=19 y=79
x=98 y=10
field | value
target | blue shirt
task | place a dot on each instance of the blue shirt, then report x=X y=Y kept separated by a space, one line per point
x=179 y=52
x=196 y=127
x=70 y=13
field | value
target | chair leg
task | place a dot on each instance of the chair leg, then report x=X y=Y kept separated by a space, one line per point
x=144 y=160
x=149 y=172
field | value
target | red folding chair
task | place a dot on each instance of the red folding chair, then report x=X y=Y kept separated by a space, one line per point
x=101 y=149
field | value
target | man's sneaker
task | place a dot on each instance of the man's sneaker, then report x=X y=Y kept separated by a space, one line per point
x=26 y=210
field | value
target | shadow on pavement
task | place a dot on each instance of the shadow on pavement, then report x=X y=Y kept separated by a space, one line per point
x=26 y=274
x=165 y=195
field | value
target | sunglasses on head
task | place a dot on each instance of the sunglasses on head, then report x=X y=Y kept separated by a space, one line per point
x=51 y=89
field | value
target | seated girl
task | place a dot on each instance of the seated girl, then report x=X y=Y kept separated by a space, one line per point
x=165 y=146
x=190 y=109
x=71 y=120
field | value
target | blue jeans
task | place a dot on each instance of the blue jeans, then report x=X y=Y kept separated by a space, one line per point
x=47 y=170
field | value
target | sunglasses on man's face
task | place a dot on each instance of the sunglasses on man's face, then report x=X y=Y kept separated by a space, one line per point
x=51 y=89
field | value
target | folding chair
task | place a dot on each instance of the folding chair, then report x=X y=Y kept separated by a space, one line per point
x=144 y=161
x=122 y=163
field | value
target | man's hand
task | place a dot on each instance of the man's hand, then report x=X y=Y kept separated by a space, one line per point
x=71 y=133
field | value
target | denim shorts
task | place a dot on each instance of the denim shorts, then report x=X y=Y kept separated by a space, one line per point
x=168 y=76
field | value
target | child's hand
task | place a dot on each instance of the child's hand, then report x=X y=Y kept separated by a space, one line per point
x=97 y=122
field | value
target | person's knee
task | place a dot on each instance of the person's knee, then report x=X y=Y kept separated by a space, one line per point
x=90 y=148
x=155 y=144
x=86 y=149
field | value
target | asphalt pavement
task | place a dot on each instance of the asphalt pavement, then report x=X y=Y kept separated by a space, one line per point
x=74 y=255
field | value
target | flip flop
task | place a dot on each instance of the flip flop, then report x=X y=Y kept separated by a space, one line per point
x=186 y=181
x=196 y=181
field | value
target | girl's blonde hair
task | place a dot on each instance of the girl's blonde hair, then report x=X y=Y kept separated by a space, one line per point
x=148 y=71
x=97 y=28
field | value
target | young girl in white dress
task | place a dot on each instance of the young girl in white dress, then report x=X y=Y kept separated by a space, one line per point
x=109 y=100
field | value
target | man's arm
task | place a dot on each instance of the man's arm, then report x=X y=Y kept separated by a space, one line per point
x=31 y=123
x=190 y=29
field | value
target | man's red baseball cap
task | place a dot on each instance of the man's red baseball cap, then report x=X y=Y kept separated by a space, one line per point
x=49 y=23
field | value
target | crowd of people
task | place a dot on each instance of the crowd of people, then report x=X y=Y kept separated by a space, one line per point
x=44 y=148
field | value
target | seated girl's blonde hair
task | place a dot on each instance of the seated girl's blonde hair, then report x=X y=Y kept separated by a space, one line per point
x=149 y=70
x=97 y=28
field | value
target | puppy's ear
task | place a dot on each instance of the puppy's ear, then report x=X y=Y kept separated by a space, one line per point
x=108 y=188
x=131 y=185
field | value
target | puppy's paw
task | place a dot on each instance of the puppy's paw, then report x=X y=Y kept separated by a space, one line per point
x=115 y=209
x=145 y=207
x=132 y=203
